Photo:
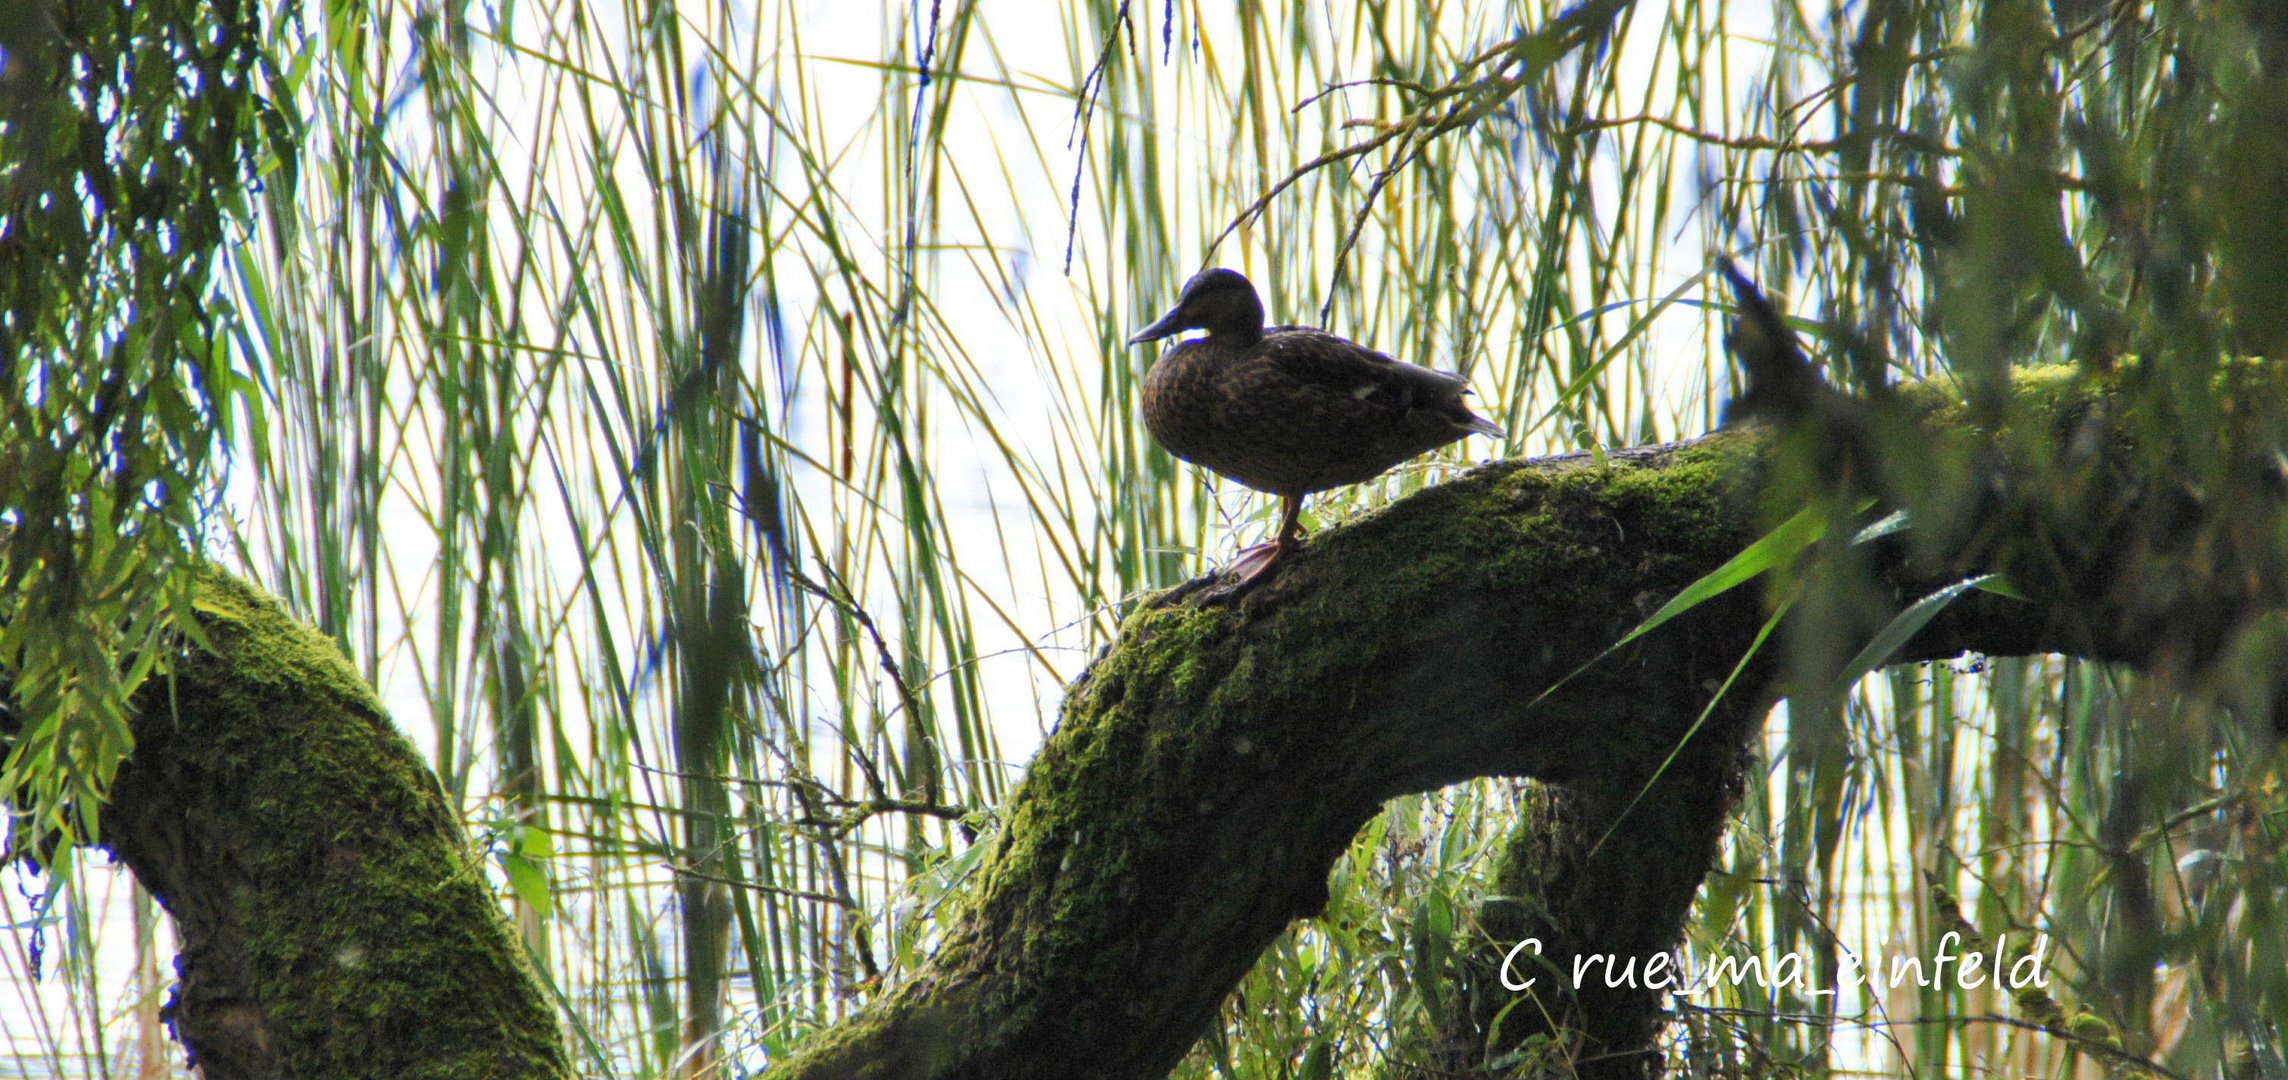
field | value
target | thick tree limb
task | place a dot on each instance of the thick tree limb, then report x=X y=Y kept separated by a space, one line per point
x=330 y=918
x=1212 y=765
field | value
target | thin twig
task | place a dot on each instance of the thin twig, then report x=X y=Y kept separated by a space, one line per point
x=1084 y=110
x=1759 y=142
x=1407 y=85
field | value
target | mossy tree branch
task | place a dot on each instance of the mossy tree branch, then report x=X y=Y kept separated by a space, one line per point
x=1214 y=763
x=331 y=920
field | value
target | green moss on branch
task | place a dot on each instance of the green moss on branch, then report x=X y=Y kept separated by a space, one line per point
x=332 y=921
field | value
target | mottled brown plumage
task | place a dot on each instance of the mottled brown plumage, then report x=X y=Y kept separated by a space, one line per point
x=1290 y=410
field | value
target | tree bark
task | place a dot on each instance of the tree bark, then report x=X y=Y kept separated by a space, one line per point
x=331 y=920
x=1213 y=763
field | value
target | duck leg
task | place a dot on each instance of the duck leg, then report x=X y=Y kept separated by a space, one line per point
x=1291 y=524
x=1254 y=563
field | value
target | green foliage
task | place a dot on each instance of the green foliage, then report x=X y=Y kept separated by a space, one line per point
x=128 y=136
x=1995 y=187
x=677 y=412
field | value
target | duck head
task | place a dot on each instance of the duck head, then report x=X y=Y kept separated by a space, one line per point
x=1218 y=301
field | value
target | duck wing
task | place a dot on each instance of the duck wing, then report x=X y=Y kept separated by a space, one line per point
x=1349 y=378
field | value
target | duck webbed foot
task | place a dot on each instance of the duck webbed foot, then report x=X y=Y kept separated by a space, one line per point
x=1254 y=564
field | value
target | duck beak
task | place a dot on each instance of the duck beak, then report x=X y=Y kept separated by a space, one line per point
x=1483 y=426
x=1168 y=324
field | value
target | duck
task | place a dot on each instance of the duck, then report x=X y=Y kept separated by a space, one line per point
x=1289 y=410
